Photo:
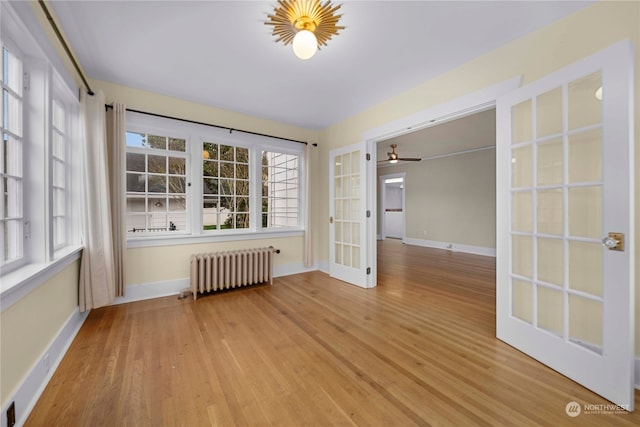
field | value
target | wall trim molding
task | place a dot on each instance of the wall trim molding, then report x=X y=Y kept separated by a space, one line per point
x=28 y=392
x=174 y=287
x=455 y=247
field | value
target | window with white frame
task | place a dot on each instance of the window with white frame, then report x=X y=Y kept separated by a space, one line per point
x=12 y=180
x=225 y=187
x=156 y=184
x=60 y=168
x=229 y=183
x=280 y=190
x=39 y=154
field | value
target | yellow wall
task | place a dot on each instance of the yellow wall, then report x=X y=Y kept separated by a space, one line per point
x=531 y=57
x=157 y=264
x=29 y=326
x=161 y=263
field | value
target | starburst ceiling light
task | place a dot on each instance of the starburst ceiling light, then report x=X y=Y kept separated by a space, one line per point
x=306 y=24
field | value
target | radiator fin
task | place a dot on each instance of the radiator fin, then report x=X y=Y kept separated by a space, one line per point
x=230 y=269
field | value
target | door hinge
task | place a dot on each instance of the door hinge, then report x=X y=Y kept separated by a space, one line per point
x=368 y=214
x=26 y=81
x=368 y=156
x=368 y=270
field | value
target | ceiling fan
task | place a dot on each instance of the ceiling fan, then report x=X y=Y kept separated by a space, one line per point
x=394 y=158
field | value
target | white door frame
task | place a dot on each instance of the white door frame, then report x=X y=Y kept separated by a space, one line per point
x=383 y=192
x=471 y=103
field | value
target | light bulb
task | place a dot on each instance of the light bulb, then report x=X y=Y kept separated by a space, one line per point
x=598 y=94
x=305 y=44
x=393 y=161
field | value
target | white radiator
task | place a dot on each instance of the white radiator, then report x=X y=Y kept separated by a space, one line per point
x=231 y=269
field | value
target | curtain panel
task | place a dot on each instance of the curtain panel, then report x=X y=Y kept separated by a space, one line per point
x=97 y=265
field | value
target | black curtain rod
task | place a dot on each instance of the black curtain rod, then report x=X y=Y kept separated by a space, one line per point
x=65 y=45
x=107 y=106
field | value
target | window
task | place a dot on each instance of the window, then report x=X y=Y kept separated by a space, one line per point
x=280 y=190
x=12 y=180
x=156 y=184
x=225 y=187
x=186 y=179
x=60 y=169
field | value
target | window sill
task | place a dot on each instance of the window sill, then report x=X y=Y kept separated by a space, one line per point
x=20 y=282
x=153 y=241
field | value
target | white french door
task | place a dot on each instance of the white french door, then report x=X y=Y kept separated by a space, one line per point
x=565 y=181
x=347 y=210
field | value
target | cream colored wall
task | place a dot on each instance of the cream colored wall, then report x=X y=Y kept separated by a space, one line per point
x=158 y=264
x=29 y=326
x=452 y=198
x=170 y=262
x=531 y=57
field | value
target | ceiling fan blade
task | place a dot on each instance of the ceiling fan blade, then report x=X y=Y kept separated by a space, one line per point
x=409 y=159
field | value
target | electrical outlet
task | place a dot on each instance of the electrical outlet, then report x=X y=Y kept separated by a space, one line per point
x=11 y=415
x=424 y=232
x=46 y=362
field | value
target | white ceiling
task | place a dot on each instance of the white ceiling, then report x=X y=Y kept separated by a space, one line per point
x=220 y=53
x=472 y=132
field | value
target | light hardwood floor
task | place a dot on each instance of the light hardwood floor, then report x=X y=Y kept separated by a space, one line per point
x=417 y=350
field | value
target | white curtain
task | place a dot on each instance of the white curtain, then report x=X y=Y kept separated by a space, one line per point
x=308 y=236
x=97 y=270
x=116 y=146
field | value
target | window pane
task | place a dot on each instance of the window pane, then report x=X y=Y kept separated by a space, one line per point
x=136 y=182
x=280 y=185
x=210 y=151
x=177 y=185
x=177 y=166
x=154 y=141
x=157 y=184
x=157 y=164
x=209 y=186
x=177 y=144
x=227 y=153
x=135 y=162
x=136 y=139
x=210 y=168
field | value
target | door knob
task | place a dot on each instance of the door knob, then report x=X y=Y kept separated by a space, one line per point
x=614 y=242
x=330 y=220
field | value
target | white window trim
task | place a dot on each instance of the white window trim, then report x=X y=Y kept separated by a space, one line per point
x=196 y=135
x=41 y=264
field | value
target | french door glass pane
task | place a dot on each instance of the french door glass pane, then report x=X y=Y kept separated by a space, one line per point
x=556 y=208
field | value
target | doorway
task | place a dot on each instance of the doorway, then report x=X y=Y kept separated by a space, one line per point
x=392 y=207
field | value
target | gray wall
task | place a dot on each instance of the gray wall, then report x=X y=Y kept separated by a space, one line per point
x=452 y=198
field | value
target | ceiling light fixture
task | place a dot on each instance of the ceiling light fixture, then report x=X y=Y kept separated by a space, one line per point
x=305 y=24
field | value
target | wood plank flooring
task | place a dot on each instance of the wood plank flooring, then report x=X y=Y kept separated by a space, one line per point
x=420 y=349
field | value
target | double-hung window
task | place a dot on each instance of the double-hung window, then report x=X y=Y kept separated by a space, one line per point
x=225 y=187
x=190 y=179
x=280 y=190
x=156 y=184
x=39 y=156
x=11 y=171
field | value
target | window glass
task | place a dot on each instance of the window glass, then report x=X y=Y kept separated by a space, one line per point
x=280 y=190
x=11 y=176
x=225 y=187
x=156 y=184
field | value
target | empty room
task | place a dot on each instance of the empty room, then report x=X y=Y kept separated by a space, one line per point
x=307 y=212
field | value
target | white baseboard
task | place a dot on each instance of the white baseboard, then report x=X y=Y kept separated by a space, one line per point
x=455 y=247
x=29 y=391
x=152 y=290
x=323 y=266
x=174 y=287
